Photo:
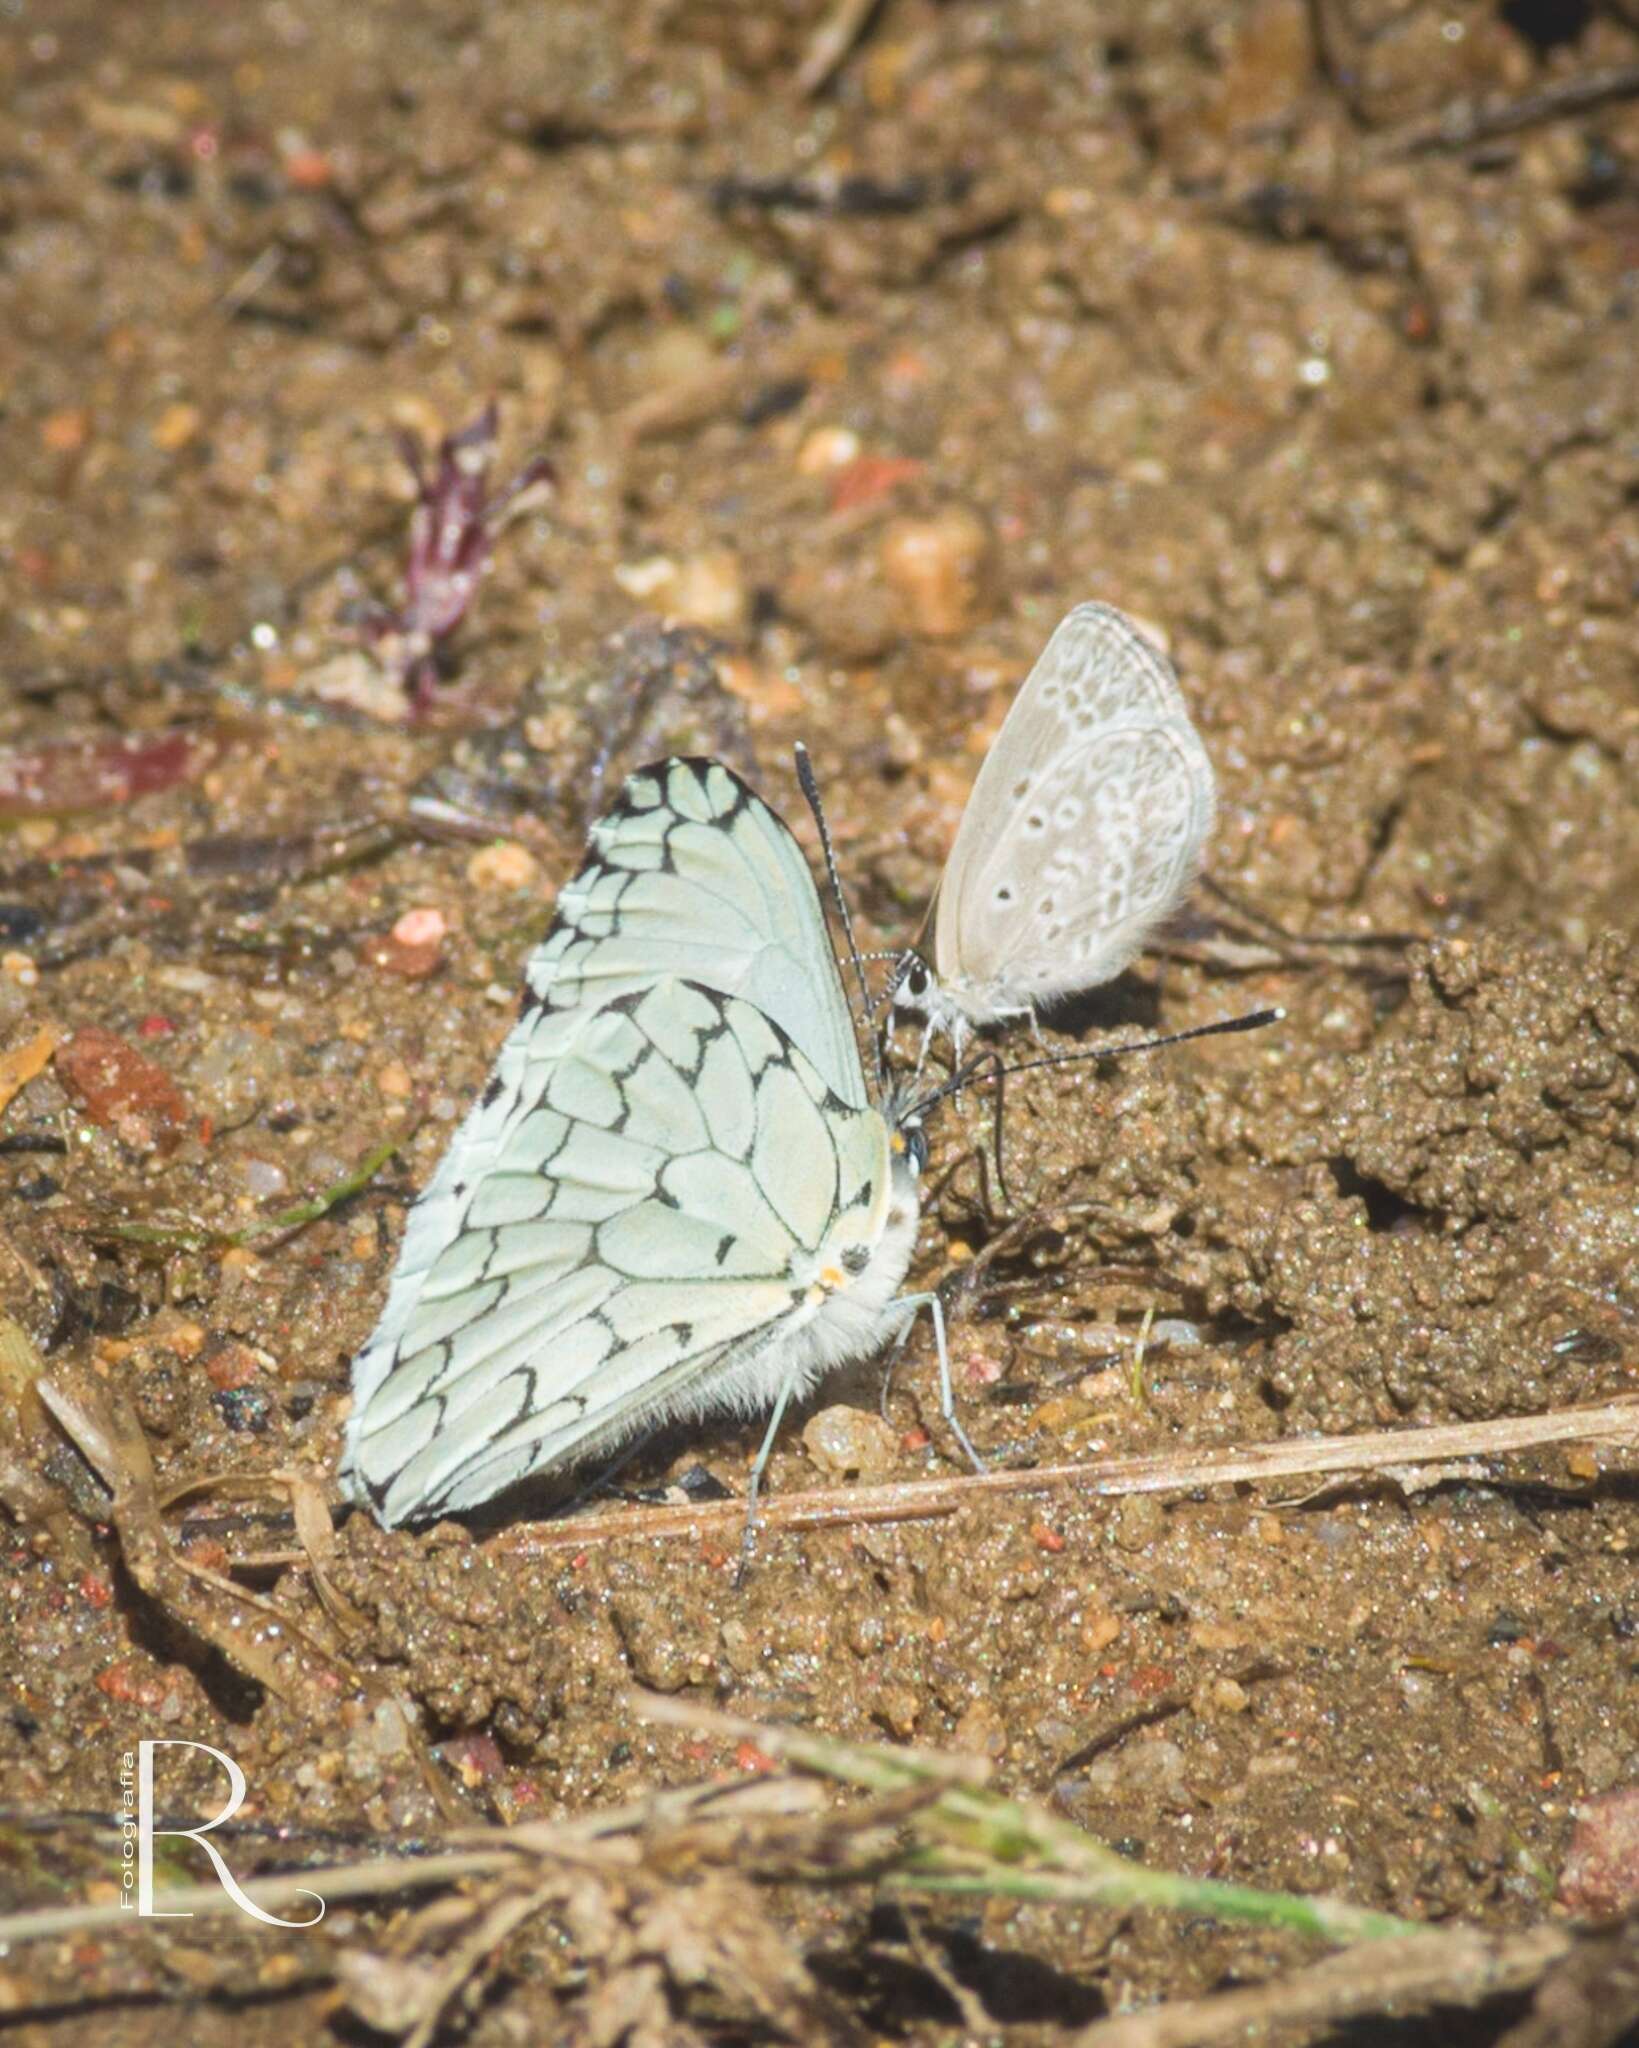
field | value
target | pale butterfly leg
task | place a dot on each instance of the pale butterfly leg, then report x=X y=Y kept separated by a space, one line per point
x=892 y=1365
x=947 y=1393
x=922 y=1051
x=759 y=1466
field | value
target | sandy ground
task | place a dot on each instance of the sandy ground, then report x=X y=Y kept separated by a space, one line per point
x=1022 y=306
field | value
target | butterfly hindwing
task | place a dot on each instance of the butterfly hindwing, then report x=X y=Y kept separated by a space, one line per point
x=644 y=1202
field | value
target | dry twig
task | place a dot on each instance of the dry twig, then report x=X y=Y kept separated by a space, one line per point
x=1457 y=1966
x=1611 y=1422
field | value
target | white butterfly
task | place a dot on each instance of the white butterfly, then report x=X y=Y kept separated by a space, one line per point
x=1082 y=834
x=674 y=1195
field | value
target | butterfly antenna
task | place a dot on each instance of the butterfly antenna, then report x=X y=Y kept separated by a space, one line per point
x=810 y=790
x=1254 y=1020
x=1261 y=918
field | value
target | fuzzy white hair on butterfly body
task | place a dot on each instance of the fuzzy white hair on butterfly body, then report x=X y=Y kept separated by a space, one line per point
x=1081 y=837
x=674 y=1196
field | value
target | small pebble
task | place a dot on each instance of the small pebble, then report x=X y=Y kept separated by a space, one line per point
x=827 y=448
x=506 y=865
x=244 y=1407
x=1601 y=1871
x=191 y=981
x=980 y=1731
x=898 y=1709
x=476 y=1759
x=64 y=432
x=709 y=592
x=235 y=1070
x=1139 y=1521
x=420 y=928
x=175 y=427
x=1099 y=1633
x=646 y=579
x=116 y=1087
x=706 y=590
x=936 y=568
x=411 y=949
x=394 y=1079
x=235 y=1365
x=263 y=1177
x=843 y=1441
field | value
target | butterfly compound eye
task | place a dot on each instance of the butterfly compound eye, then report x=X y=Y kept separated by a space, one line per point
x=916 y=1146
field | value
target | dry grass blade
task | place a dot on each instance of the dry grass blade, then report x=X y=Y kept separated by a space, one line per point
x=482 y=1852
x=1468 y=123
x=968 y=1839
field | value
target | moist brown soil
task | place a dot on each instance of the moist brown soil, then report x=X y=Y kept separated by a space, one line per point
x=1026 y=305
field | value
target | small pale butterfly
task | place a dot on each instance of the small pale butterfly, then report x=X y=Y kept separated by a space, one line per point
x=1081 y=836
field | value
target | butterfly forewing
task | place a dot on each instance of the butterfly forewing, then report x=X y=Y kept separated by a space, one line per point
x=664 y=1179
x=692 y=874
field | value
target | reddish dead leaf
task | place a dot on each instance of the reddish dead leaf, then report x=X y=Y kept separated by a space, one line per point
x=869 y=478
x=90 y=775
x=119 y=1089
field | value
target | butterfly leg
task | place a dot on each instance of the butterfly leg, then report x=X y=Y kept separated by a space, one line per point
x=894 y=1350
x=947 y=1393
x=759 y=1466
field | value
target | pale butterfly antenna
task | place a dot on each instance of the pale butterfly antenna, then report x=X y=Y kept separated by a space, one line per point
x=811 y=795
x=1254 y=916
x=1253 y=1020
